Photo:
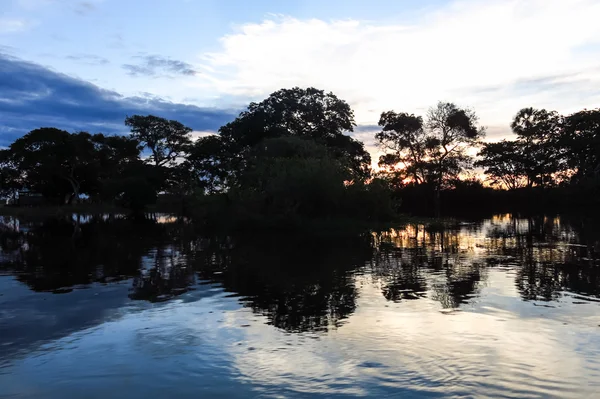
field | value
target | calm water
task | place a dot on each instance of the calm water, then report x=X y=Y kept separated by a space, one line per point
x=506 y=307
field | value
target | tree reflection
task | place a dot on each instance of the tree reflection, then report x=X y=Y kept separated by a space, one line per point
x=418 y=262
x=305 y=283
x=164 y=274
x=60 y=253
x=299 y=283
x=551 y=254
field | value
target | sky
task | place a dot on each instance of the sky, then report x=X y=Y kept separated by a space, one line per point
x=85 y=65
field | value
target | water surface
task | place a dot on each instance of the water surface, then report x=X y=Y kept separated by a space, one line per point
x=102 y=307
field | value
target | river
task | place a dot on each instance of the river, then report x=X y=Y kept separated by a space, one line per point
x=100 y=307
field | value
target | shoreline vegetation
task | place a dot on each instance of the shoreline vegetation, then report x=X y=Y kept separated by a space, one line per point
x=335 y=227
x=289 y=162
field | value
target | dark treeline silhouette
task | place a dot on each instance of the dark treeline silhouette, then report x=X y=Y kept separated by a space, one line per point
x=289 y=159
x=553 y=162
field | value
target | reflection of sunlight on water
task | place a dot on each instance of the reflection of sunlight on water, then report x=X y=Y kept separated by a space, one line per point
x=165 y=218
x=415 y=347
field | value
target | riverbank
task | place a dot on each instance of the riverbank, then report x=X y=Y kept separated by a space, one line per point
x=325 y=227
x=58 y=211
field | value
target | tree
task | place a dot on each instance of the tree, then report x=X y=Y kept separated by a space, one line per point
x=114 y=156
x=404 y=136
x=167 y=140
x=11 y=178
x=55 y=163
x=538 y=132
x=581 y=143
x=504 y=163
x=305 y=113
x=207 y=164
x=290 y=177
x=432 y=152
x=61 y=165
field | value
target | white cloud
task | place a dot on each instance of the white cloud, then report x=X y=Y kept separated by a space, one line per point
x=493 y=348
x=451 y=54
x=196 y=134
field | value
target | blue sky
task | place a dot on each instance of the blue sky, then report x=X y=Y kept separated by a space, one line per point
x=82 y=65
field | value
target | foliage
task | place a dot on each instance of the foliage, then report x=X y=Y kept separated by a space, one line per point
x=289 y=161
x=167 y=140
x=207 y=165
x=581 y=141
x=505 y=164
x=549 y=150
x=11 y=179
x=537 y=134
x=304 y=113
x=291 y=177
x=433 y=151
x=55 y=163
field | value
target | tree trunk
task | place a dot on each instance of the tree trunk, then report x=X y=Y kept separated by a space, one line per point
x=437 y=202
x=75 y=187
x=437 y=199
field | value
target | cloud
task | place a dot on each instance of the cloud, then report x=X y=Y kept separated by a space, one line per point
x=33 y=96
x=154 y=65
x=7 y=49
x=9 y=25
x=88 y=59
x=496 y=49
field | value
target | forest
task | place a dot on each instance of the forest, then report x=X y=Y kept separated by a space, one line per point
x=290 y=159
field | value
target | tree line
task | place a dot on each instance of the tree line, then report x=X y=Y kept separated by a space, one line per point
x=289 y=157
x=551 y=158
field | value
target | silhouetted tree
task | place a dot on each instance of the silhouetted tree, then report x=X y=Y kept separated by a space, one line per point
x=208 y=164
x=166 y=139
x=11 y=178
x=538 y=132
x=305 y=113
x=581 y=142
x=404 y=136
x=291 y=177
x=55 y=162
x=504 y=163
x=432 y=151
x=115 y=158
x=454 y=130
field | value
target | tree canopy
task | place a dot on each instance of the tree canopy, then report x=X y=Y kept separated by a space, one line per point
x=432 y=151
x=292 y=155
x=167 y=140
x=305 y=113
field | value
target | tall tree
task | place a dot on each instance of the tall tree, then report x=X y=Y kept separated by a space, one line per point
x=56 y=163
x=504 y=164
x=581 y=143
x=115 y=157
x=433 y=151
x=207 y=164
x=11 y=178
x=305 y=113
x=538 y=132
x=407 y=145
x=166 y=139
x=291 y=177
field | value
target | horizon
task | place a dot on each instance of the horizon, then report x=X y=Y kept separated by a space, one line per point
x=85 y=65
